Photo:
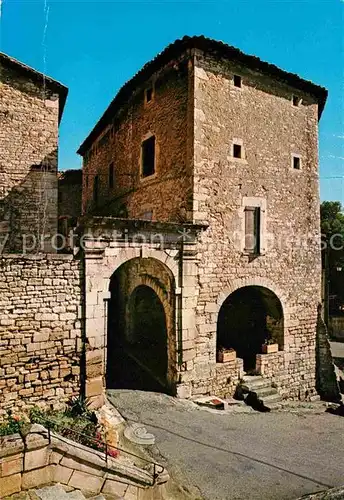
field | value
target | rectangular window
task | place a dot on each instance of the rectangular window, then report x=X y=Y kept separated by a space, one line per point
x=296 y=101
x=237 y=81
x=111 y=175
x=296 y=162
x=96 y=190
x=237 y=151
x=149 y=94
x=148 y=157
x=252 y=230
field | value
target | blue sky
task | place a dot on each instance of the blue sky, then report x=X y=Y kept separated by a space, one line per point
x=94 y=47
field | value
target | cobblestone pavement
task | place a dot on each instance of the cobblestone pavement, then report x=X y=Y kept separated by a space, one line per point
x=241 y=456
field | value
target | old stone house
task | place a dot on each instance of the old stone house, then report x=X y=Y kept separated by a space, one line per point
x=218 y=152
x=200 y=232
x=31 y=109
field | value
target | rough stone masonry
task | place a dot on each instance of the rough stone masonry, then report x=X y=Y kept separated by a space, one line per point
x=201 y=152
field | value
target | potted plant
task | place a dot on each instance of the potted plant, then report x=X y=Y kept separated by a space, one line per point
x=269 y=347
x=226 y=355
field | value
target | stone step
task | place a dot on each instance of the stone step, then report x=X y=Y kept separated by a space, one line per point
x=75 y=495
x=55 y=492
x=273 y=398
x=263 y=392
x=257 y=384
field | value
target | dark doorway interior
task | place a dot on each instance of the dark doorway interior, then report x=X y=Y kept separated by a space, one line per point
x=137 y=340
x=248 y=317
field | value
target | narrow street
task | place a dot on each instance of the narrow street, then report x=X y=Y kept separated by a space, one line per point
x=232 y=456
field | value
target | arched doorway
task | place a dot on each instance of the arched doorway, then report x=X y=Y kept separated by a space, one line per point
x=247 y=318
x=141 y=343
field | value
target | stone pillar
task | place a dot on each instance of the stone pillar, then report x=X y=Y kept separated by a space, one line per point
x=96 y=295
x=188 y=301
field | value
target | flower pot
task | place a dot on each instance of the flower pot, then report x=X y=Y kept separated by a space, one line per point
x=269 y=348
x=226 y=356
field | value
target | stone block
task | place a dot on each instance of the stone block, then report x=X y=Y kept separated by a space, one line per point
x=94 y=370
x=10 y=485
x=131 y=493
x=94 y=387
x=114 y=488
x=36 y=459
x=86 y=482
x=11 y=445
x=62 y=474
x=37 y=477
x=11 y=465
x=82 y=466
x=184 y=391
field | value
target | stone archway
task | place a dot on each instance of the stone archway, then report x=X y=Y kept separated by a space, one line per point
x=141 y=351
x=249 y=316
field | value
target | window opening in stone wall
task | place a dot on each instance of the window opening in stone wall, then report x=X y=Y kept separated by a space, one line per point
x=296 y=162
x=111 y=175
x=148 y=156
x=237 y=151
x=149 y=94
x=252 y=230
x=237 y=81
x=296 y=100
x=96 y=190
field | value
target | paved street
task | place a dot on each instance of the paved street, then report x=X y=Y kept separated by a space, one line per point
x=253 y=456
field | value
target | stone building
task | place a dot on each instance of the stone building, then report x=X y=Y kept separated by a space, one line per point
x=69 y=199
x=31 y=107
x=200 y=232
x=201 y=203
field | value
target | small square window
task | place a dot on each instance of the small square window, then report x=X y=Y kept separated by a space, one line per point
x=237 y=81
x=296 y=162
x=296 y=101
x=148 y=157
x=149 y=94
x=237 y=150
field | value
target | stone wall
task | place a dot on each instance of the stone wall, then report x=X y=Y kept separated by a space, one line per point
x=167 y=194
x=28 y=160
x=40 y=330
x=261 y=117
x=38 y=461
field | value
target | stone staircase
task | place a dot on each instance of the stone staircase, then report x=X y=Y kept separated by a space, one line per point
x=258 y=387
x=57 y=492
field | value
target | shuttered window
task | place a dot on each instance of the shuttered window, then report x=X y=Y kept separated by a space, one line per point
x=252 y=230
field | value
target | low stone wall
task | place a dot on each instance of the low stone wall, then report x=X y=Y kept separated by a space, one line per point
x=221 y=380
x=40 y=330
x=34 y=462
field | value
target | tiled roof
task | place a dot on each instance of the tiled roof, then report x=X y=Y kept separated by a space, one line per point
x=209 y=46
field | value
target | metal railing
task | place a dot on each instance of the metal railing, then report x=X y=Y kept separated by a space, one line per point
x=98 y=445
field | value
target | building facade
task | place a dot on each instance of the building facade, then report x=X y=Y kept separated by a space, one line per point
x=31 y=108
x=222 y=148
x=199 y=235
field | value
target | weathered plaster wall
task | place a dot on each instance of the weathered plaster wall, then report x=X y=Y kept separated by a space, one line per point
x=28 y=160
x=167 y=193
x=40 y=330
x=271 y=129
